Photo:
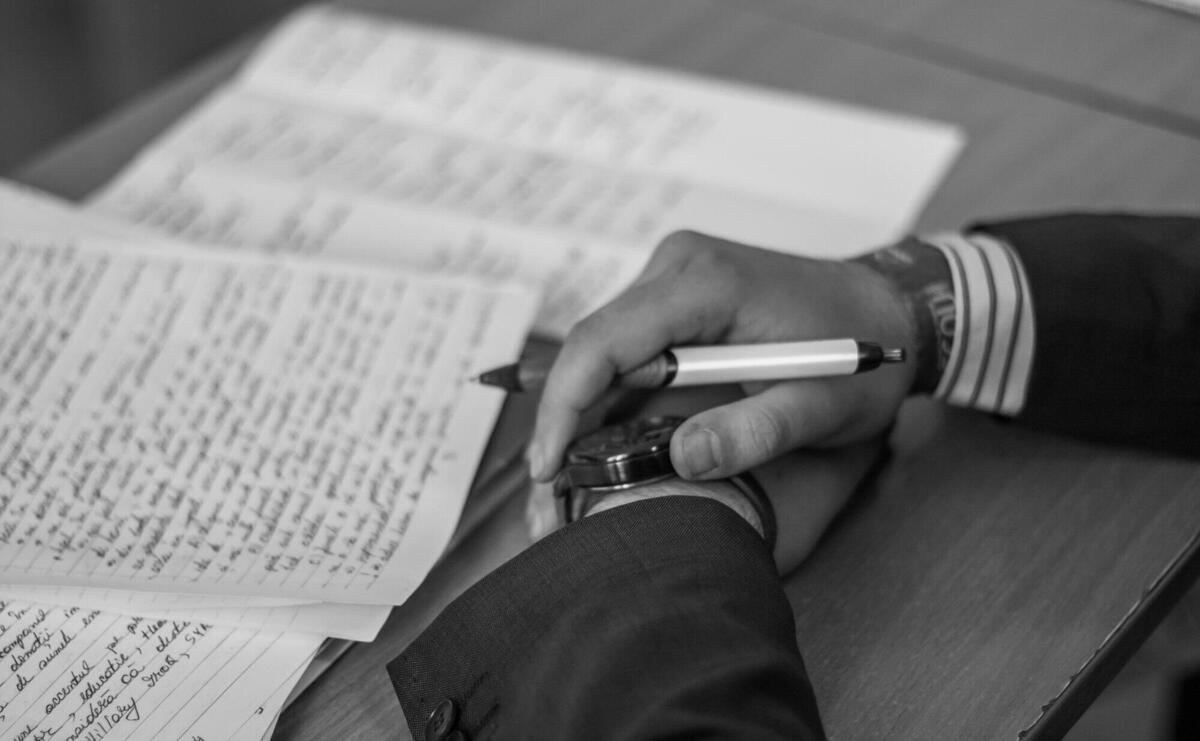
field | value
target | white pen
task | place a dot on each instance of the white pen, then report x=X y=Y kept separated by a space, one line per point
x=713 y=364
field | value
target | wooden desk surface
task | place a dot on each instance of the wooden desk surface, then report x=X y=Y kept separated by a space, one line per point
x=991 y=571
x=1122 y=55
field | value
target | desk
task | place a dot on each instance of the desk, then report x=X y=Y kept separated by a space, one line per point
x=991 y=572
x=1119 y=55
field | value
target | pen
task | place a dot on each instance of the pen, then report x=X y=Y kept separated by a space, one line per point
x=698 y=366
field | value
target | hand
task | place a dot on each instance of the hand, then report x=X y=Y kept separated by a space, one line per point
x=702 y=290
x=807 y=488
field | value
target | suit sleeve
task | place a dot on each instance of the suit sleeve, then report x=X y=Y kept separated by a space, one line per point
x=657 y=619
x=1117 y=306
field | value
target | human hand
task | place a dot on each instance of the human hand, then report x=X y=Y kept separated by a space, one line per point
x=807 y=489
x=703 y=290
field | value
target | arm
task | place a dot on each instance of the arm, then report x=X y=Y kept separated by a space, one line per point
x=666 y=614
x=1117 y=305
x=659 y=618
x=1102 y=343
x=1083 y=324
x=648 y=618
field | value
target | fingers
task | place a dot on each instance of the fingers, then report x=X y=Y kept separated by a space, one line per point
x=734 y=437
x=675 y=251
x=808 y=488
x=698 y=289
x=673 y=309
x=541 y=513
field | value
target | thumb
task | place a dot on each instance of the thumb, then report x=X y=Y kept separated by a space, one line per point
x=729 y=439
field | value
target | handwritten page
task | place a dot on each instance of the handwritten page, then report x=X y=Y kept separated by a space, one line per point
x=784 y=147
x=214 y=204
x=27 y=211
x=221 y=423
x=233 y=446
x=335 y=620
x=83 y=675
x=198 y=680
x=248 y=170
x=501 y=160
x=461 y=177
x=330 y=652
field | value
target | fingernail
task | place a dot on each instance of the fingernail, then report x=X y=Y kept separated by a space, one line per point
x=701 y=452
x=537 y=462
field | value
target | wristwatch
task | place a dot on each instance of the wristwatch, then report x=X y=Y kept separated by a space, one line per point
x=625 y=456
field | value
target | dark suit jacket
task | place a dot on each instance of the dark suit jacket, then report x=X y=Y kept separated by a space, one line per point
x=665 y=618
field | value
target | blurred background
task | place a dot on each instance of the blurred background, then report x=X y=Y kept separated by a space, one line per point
x=64 y=63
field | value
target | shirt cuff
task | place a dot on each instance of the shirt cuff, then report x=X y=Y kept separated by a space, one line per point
x=992 y=353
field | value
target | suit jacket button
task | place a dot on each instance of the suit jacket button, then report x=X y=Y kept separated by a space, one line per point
x=441 y=721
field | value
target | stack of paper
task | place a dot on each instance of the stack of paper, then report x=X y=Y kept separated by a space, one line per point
x=216 y=460
x=212 y=459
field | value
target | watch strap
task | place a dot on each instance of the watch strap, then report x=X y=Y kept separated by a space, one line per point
x=611 y=461
x=750 y=488
x=576 y=503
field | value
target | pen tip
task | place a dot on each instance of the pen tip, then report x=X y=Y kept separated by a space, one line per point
x=505 y=377
x=894 y=355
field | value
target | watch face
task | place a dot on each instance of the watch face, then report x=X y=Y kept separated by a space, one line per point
x=635 y=438
x=621 y=456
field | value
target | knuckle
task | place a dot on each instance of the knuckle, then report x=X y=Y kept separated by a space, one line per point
x=555 y=398
x=766 y=431
x=679 y=242
x=718 y=267
x=689 y=251
x=703 y=261
x=586 y=333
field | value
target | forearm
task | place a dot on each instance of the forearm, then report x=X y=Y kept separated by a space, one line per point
x=658 y=618
x=969 y=297
x=1087 y=325
x=1117 y=300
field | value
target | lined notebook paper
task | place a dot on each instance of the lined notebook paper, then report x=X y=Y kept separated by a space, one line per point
x=85 y=675
x=333 y=619
x=138 y=378
x=28 y=211
x=221 y=422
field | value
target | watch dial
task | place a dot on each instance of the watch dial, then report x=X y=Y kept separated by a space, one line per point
x=633 y=438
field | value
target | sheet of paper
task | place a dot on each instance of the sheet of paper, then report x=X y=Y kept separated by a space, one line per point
x=79 y=675
x=785 y=148
x=215 y=204
x=222 y=423
x=518 y=163
x=456 y=176
x=330 y=652
x=262 y=726
x=24 y=209
x=28 y=211
x=335 y=620
x=1184 y=6
x=245 y=169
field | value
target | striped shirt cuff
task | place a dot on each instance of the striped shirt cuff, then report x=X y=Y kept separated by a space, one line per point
x=992 y=353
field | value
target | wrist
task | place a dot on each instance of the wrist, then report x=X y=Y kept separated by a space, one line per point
x=919 y=277
x=719 y=490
